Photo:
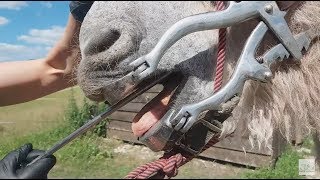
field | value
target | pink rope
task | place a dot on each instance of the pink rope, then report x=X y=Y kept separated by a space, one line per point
x=163 y=166
x=221 y=52
x=168 y=165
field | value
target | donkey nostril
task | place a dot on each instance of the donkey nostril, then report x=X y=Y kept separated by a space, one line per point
x=105 y=54
x=103 y=42
x=111 y=38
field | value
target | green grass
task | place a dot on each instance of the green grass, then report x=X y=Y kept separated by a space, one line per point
x=35 y=116
x=86 y=157
x=44 y=122
x=75 y=160
x=89 y=156
x=287 y=167
x=309 y=144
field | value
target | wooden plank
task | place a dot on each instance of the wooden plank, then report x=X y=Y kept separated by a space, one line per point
x=122 y=135
x=144 y=98
x=132 y=107
x=241 y=144
x=249 y=159
x=120 y=125
x=122 y=116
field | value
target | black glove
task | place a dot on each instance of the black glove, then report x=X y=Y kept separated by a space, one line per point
x=13 y=165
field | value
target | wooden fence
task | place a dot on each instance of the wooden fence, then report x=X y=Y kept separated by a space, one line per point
x=235 y=149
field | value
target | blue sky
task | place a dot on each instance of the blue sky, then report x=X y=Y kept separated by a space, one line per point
x=28 y=29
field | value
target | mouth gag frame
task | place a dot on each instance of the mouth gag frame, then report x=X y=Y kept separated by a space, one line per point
x=168 y=132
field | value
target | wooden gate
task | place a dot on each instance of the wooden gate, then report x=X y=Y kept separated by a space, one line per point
x=233 y=149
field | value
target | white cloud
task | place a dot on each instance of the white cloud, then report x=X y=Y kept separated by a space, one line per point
x=40 y=40
x=43 y=36
x=13 y=52
x=14 y=5
x=47 y=4
x=3 y=20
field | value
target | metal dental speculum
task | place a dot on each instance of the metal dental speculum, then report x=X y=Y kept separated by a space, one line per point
x=168 y=132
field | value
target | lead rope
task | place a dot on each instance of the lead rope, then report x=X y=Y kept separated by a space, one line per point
x=168 y=164
x=221 y=52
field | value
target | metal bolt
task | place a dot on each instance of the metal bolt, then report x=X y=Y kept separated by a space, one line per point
x=268 y=75
x=268 y=9
x=260 y=59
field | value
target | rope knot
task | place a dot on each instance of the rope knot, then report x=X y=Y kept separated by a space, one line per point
x=172 y=165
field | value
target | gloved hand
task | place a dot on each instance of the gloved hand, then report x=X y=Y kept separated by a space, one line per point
x=12 y=166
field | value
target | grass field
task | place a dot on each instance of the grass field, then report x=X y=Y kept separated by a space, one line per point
x=35 y=116
x=43 y=123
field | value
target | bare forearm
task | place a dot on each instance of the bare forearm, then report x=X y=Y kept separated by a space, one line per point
x=23 y=81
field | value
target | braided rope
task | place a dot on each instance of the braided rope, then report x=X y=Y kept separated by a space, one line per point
x=221 y=52
x=168 y=164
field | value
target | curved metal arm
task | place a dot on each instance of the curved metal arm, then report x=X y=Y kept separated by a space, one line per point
x=236 y=13
x=247 y=68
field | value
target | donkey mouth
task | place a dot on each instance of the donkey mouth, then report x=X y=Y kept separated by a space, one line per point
x=154 y=110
